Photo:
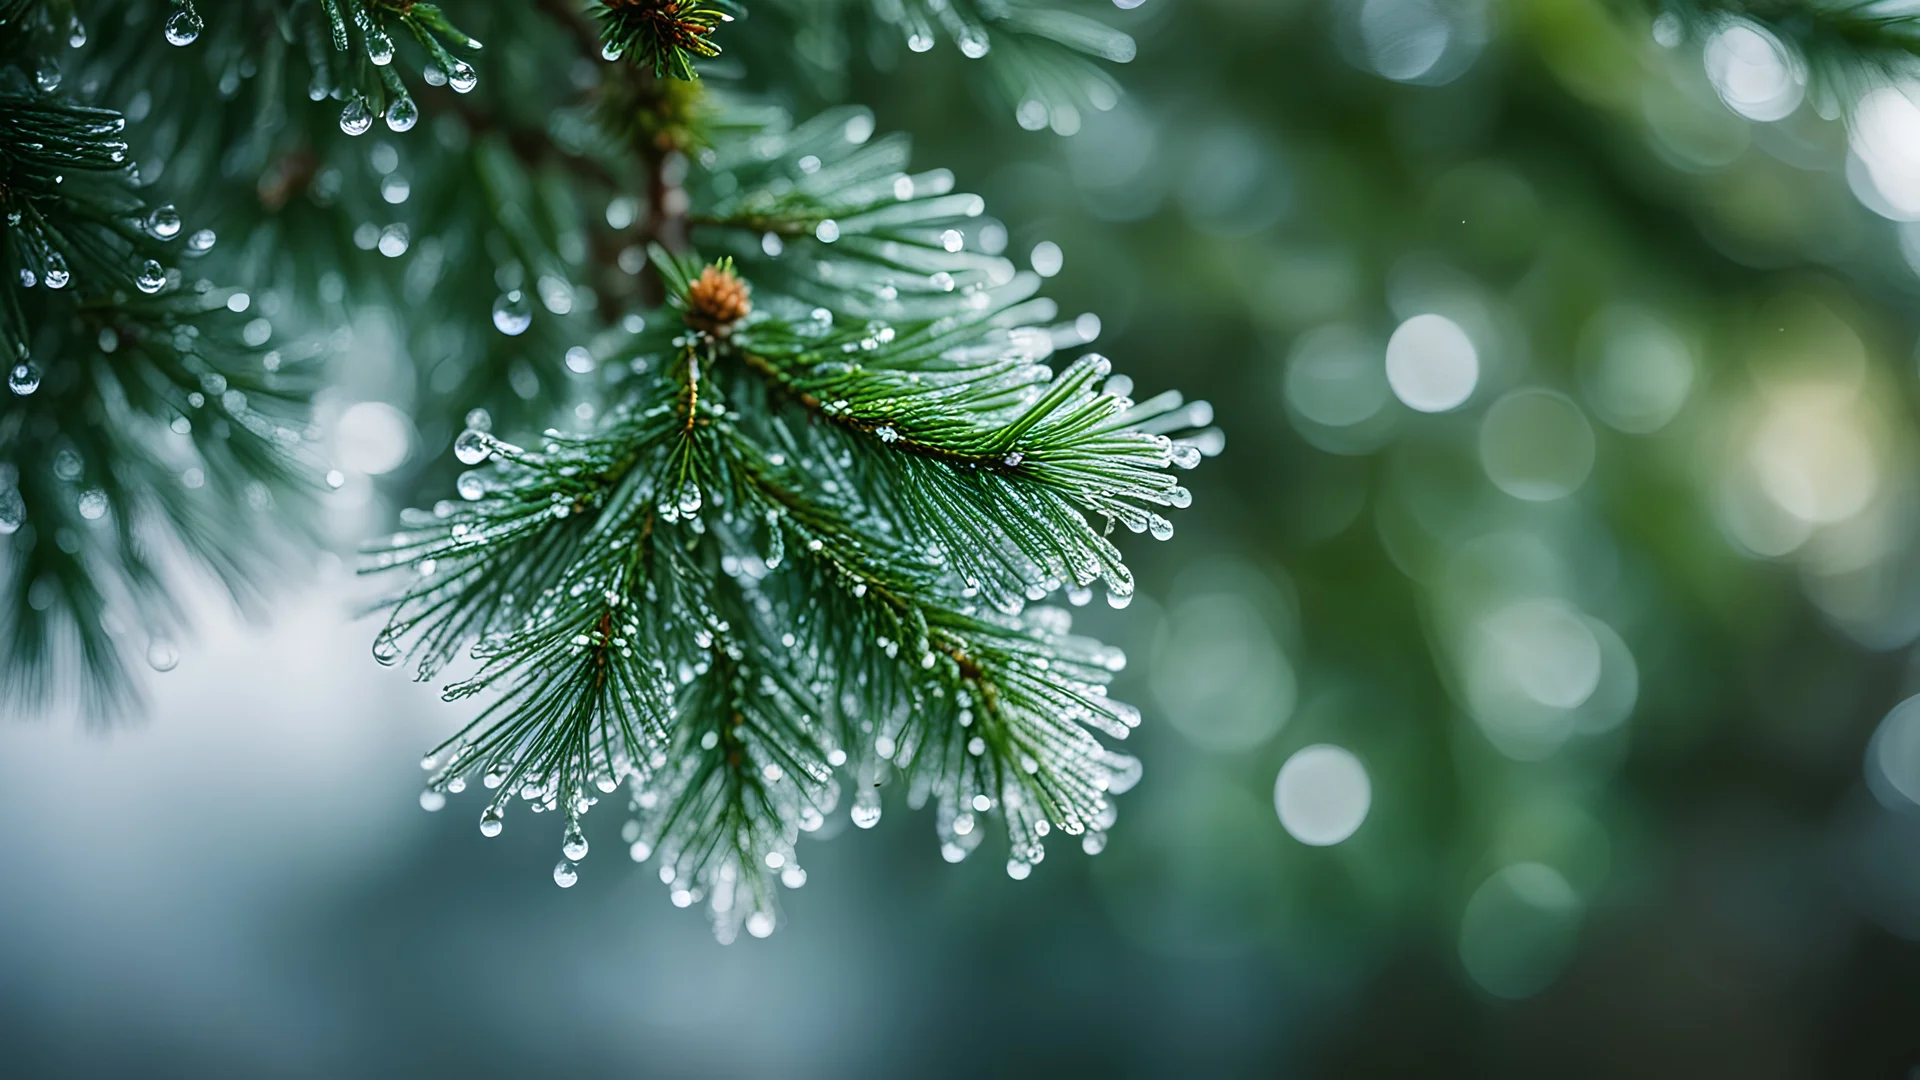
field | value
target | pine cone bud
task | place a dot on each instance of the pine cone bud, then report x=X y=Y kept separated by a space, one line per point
x=717 y=301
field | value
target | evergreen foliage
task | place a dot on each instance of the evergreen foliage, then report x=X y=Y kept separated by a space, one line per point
x=805 y=532
x=830 y=470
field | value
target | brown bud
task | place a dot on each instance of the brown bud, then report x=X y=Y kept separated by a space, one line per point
x=717 y=301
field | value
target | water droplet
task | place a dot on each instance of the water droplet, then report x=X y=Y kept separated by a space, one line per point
x=473 y=446
x=866 y=808
x=512 y=313
x=24 y=379
x=973 y=43
x=201 y=242
x=386 y=649
x=183 y=27
x=93 y=504
x=164 y=222
x=393 y=240
x=48 y=78
x=490 y=821
x=13 y=512
x=356 y=118
x=152 y=277
x=462 y=77
x=379 y=48
x=640 y=851
x=610 y=51
x=573 y=844
x=760 y=924
x=920 y=41
x=1018 y=870
x=162 y=655
x=432 y=801
x=57 y=275
x=689 y=503
x=565 y=874
x=472 y=486
x=77 y=35
x=402 y=114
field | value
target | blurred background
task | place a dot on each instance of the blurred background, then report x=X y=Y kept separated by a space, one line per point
x=1529 y=689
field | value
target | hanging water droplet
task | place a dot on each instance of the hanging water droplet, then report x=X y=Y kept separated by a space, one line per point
x=47 y=78
x=610 y=51
x=379 y=48
x=386 y=649
x=866 y=808
x=573 y=843
x=13 y=512
x=162 y=655
x=473 y=446
x=57 y=275
x=1159 y=527
x=152 y=277
x=28 y=279
x=1185 y=455
x=973 y=43
x=164 y=222
x=472 y=486
x=512 y=313
x=462 y=77
x=24 y=379
x=402 y=114
x=93 y=504
x=432 y=801
x=200 y=242
x=356 y=118
x=760 y=924
x=920 y=41
x=689 y=503
x=183 y=27
x=565 y=874
x=1018 y=870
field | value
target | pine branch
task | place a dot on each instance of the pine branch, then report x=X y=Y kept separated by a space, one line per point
x=361 y=34
x=764 y=569
x=141 y=419
x=665 y=37
x=144 y=418
x=1043 y=57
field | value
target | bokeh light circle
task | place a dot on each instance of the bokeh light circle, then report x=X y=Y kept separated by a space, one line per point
x=1536 y=445
x=1519 y=929
x=1432 y=364
x=1322 y=795
x=372 y=437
